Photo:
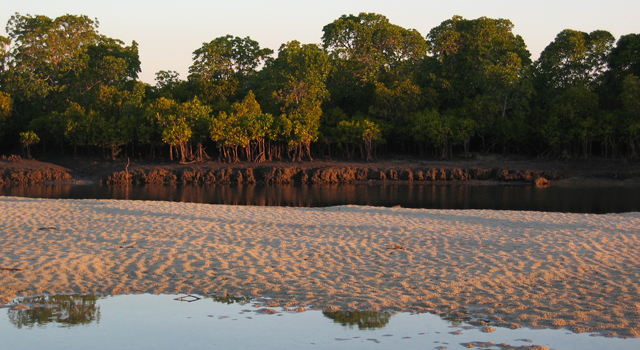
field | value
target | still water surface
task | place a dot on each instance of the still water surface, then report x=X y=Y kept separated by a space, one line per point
x=160 y=322
x=576 y=199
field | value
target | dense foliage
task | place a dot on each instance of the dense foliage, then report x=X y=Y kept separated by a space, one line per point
x=370 y=87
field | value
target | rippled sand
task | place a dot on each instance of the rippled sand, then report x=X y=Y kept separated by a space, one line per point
x=510 y=268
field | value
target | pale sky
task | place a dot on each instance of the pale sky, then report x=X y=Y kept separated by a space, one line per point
x=169 y=31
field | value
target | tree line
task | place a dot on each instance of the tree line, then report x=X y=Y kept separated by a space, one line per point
x=370 y=87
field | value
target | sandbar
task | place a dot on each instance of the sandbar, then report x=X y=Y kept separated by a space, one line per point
x=504 y=268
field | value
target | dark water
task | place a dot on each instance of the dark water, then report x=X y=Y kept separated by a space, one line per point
x=577 y=199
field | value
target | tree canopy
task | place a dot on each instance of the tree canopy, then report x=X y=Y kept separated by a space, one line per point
x=222 y=67
x=370 y=88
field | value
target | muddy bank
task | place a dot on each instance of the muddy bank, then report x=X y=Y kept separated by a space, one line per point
x=324 y=175
x=17 y=171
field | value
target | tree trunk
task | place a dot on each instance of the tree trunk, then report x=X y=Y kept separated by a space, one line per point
x=308 y=146
x=466 y=148
x=183 y=151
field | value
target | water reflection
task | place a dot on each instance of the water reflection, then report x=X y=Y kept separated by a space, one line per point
x=457 y=318
x=67 y=310
x=228 y=300
x=601 y=199
x=363 y=319
x=146 y=321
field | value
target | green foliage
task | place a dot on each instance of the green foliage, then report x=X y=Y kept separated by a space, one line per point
x=631 y=101
x=176 y=134
x=110 y=62
x=113 y=120
x=625 y=56
x=45 y=51
x=369 y=46
x=391 y=103
x=58 y=71
x=571 y=80
x=631 y=94
x=222 y=67
x=367 y=53
x=574 y=58
x=6 y=105
x=167 y=80
x=328 y=124
x=469 y=84
x=62 y=58
x=622 y=61
x=169 y=85
x=28 y=138
x=362 y=133
x=4 y=53
x=239 y=128
x=120 y=112
x=481 y=65
x=477 y=56
x=198 y=117
x=75 y=125
x=81 y=127
x=297 y=86
x=442 y=131
x=573 y=118
x=176 y=124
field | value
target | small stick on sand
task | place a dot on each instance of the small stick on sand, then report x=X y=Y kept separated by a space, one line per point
x=9 y=269
x=188 y=298
x=129 y=245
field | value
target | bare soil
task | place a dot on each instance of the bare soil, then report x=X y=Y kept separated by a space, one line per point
x=492 y=167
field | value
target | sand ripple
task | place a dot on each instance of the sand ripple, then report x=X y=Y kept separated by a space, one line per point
x=575 y=271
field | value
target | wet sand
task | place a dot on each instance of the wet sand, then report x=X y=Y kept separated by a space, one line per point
x=507 y=268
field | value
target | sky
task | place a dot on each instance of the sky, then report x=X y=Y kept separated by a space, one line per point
x=169 y=31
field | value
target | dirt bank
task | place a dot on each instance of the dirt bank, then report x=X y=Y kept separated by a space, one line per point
x=492 y=168
x=328 y=174
x=17 y=171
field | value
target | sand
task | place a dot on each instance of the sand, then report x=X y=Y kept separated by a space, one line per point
x=504 y=268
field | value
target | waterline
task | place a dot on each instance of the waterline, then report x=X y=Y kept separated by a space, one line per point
x=146 y=321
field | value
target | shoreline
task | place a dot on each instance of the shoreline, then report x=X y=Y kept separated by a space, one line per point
x=69 y=170
x=508 y=269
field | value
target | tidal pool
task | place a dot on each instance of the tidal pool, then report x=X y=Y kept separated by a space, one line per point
x=144 y=321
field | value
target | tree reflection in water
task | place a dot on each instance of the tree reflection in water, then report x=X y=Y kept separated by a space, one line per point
x=579 y=199
x=228 y=299
x=68 y=310
x=457 y=318
x=364 y=319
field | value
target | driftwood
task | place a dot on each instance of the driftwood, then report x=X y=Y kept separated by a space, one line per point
x=129 y=245
x=9 y=269
x=188 y=298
